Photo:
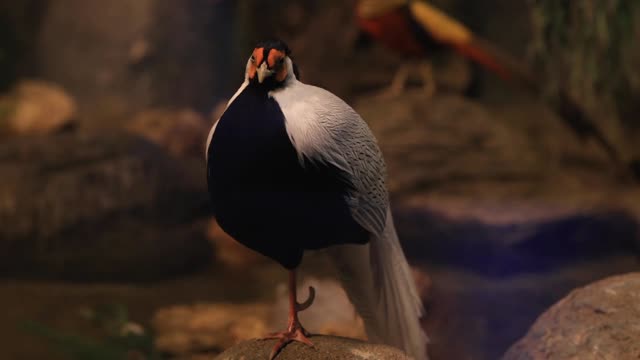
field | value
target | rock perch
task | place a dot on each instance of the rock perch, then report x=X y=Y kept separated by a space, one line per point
x=326 y=348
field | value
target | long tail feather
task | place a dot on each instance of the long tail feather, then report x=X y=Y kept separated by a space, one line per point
x=484 y=58
x=378 y=281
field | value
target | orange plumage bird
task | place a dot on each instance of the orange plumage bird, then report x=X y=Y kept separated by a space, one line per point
x=415 y=28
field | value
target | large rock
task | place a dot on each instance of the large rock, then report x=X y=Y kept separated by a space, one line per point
x=444 y=141
x=471 y=190
x=599 y=321
x=99 y=206
x=326 y=347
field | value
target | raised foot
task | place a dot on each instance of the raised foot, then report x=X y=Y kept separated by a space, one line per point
x=297 y=333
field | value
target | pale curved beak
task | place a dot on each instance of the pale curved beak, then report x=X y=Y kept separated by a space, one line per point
x=263 y=72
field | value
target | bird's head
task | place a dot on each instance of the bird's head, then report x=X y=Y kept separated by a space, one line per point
x=270 y=64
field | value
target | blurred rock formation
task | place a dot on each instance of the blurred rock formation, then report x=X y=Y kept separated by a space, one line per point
x=99 y=206
x=326 y=347
x=598 y=321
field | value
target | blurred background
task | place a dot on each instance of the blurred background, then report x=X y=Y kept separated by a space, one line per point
x=504 y=199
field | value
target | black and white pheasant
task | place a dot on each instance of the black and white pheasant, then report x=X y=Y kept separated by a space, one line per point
x=291 y=167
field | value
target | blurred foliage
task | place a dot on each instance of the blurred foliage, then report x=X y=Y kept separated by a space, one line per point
x=119 y=337
x=591 y=48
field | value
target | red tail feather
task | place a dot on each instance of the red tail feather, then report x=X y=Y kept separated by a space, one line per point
x=485 y=59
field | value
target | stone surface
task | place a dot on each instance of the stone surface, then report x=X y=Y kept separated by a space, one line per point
x=99 y=206
x=598 y=321
x=326 y=347
x=447 y=142
x=36 y=107
x=444 y=140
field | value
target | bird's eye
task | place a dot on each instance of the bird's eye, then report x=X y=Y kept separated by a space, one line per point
x=280 y=61
x=253 y=59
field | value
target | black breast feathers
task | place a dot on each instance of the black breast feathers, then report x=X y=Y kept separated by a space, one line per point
x=263 y=195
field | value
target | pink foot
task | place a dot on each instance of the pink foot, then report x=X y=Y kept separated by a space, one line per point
x=295 y=333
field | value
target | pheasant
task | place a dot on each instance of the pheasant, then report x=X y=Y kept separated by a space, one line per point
x=415 y=28
x=290 y=168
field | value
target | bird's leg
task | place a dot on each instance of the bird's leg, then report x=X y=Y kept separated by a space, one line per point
x=428 y=80
x=397 y=84
x=400 y=79
x=295 y=331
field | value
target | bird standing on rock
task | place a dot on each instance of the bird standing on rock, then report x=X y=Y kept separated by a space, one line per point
x=415 y=28
x=291 y=167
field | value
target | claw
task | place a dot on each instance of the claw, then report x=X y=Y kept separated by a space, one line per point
x=296 y=334
x=305 y=304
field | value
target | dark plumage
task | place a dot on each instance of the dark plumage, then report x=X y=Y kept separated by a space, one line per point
x=292 y=167
x=261 y=193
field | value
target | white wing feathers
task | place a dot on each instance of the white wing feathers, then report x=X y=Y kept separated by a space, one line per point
x=376 y=276
x=324 y=128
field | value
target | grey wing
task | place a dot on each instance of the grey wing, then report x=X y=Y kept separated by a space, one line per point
x=369 y=200
x=323 y=127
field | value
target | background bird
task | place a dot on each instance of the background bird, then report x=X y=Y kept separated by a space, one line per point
x=415 y=28
x=291 y=167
